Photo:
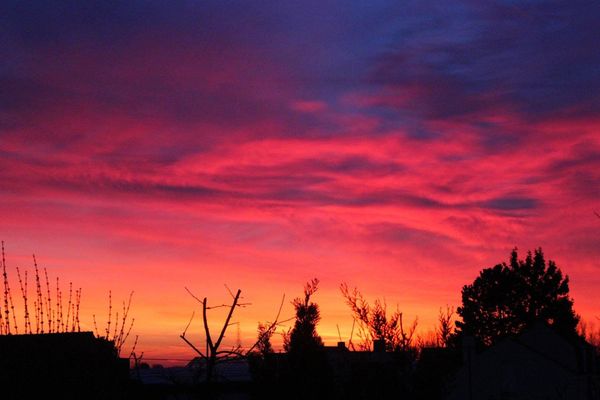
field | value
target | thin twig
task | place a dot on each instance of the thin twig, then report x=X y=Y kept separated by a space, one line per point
x=229 y=290
x=192 y=294
x=95 y=325
x=188 y=324
x=120 y=338
x=109 y=315
x=271 y=327
x=24 y=294
x=6 y=311
x=126 y=334
x=48 y=302
x=78 y=295
x=69 y=306
x=40 y=302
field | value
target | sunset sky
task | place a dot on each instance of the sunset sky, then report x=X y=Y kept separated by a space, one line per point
x=397 y=146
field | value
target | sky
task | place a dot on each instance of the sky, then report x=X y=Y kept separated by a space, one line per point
x=396 y=146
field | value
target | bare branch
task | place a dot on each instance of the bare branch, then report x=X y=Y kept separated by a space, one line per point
x=209 y=342
x=235 y=300
x=192 y=346
x=229 y=306
x=192 y=294
x=229 y=290
x=350 y=343
x=271 y=327
x=230 y=352
x=188 y=324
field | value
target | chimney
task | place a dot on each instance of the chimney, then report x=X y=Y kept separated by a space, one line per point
x=341 y=345
x=378 y=346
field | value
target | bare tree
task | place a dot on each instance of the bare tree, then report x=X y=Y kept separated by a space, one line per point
x=213 y=354
x=374 y=323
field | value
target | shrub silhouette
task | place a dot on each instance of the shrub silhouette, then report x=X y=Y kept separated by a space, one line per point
x=374 y=323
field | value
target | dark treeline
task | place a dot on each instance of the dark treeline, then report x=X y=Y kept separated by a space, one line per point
x=515 y=335
x=505 y=309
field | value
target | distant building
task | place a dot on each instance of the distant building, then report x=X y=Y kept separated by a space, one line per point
x=376 y=374
x=538 y=364
x=233 y=371
x=73 y=365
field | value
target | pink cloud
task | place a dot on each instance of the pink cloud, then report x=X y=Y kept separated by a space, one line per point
x=308 y=106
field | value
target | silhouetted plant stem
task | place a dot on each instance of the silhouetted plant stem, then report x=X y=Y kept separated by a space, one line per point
x=121 y=337
x=6 y=310
x=117 y=333
x=78 y=296
x=25 y=305
x=124 y=339
x=40 y=302
x=57 y=311
x=134 y=344
x=109 y=314
x=10 y=300
x=57 y=320
x=95 y=325
x=115 y=329
x=209 y=345
x=69 y=305
x=49 y=316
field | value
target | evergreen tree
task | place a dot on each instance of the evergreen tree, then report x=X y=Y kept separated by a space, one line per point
x=303 y=337
x=308 y=374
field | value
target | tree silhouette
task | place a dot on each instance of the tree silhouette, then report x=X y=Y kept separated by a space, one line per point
x=262 y=363
x=263 y=343
x=506 y=298
x=444 y=330
x=213 y=354
x=303 y=337
x=308 y=373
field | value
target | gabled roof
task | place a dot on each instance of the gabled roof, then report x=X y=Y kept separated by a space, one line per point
x=545 y=342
